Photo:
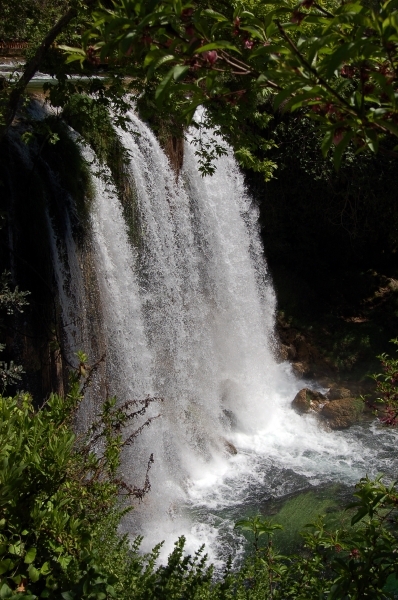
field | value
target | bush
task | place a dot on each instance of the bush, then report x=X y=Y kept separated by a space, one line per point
x=60 y=511
x=387 y=387
x=57 y=489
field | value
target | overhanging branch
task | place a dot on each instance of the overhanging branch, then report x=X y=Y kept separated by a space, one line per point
x=32 y=67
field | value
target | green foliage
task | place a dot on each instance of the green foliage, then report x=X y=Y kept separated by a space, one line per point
x=259 y=527
x=335 y=62
x=48 y=498
x=11 y=301
x=353 y=563
x=55 y=490
x=338 y=65
x=31 y=18
x=60 y=511
x=10 y=373
x=387 y=387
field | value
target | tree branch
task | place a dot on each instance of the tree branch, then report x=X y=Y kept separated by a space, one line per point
x=32 y=67
x=310 y=68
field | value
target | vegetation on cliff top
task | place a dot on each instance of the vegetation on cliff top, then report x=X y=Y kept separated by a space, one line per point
x=335 y=63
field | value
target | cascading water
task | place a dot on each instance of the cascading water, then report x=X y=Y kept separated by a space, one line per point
x=208 y=316
x=188 y=316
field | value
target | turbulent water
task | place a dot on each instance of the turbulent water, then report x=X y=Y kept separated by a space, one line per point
x=188 y=317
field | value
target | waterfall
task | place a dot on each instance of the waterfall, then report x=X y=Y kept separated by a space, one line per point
x=188 y=316
x=207 y=324
x=186 y=312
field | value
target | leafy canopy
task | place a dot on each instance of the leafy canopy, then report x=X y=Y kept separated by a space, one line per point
x=338 y=65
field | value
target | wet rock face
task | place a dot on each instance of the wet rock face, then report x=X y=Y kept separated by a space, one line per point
x=287 y=352
x=174 y=149
x=338 y=393
x=308 y=400
x=301 y=369
x=339 y=412
x=342 y=413
x=295 y=348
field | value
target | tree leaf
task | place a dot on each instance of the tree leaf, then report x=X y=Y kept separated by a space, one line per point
x=340 y=148
x=6 y=565
x=255 y=31
x=5 y=591
x=333 y=61
x=33 y=573
x=217 y=46
x=179 y=71
x=327 y=142
x=359 y=515
x=30 y=555
x=163 y=85
x=388 y=125
x=214 y=15
x=281 y=96
x=45 y=568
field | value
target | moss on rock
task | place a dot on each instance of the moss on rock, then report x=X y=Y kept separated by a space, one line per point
x=92 y=121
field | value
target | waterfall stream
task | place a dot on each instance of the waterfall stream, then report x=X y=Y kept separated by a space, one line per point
x=188 y=316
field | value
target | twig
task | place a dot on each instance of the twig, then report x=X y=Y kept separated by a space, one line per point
x=137 y=432
x=92 y=370
x=135 y=491
x=312 y=70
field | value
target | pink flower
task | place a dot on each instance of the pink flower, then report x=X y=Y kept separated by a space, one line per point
x=338 y=136
x=186 y=13
x=211 y=56
x=190 y=31
x=236 y=26
x=347 y=71
x=249 y=44
x=297 y=17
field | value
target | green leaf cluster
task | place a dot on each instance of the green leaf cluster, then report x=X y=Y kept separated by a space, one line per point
x=56 y=487
x=387 y=387
x=338 y=65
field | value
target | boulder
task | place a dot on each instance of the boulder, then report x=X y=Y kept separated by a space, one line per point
x=230 y=448
x=285 y=352
x=291 y=352
x=341 y=414
x=230 y=419
x=307 y=400
x=336 y=393
x=301 y=369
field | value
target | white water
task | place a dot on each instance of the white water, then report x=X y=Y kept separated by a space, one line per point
x=189 y=317
x=209 y=314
